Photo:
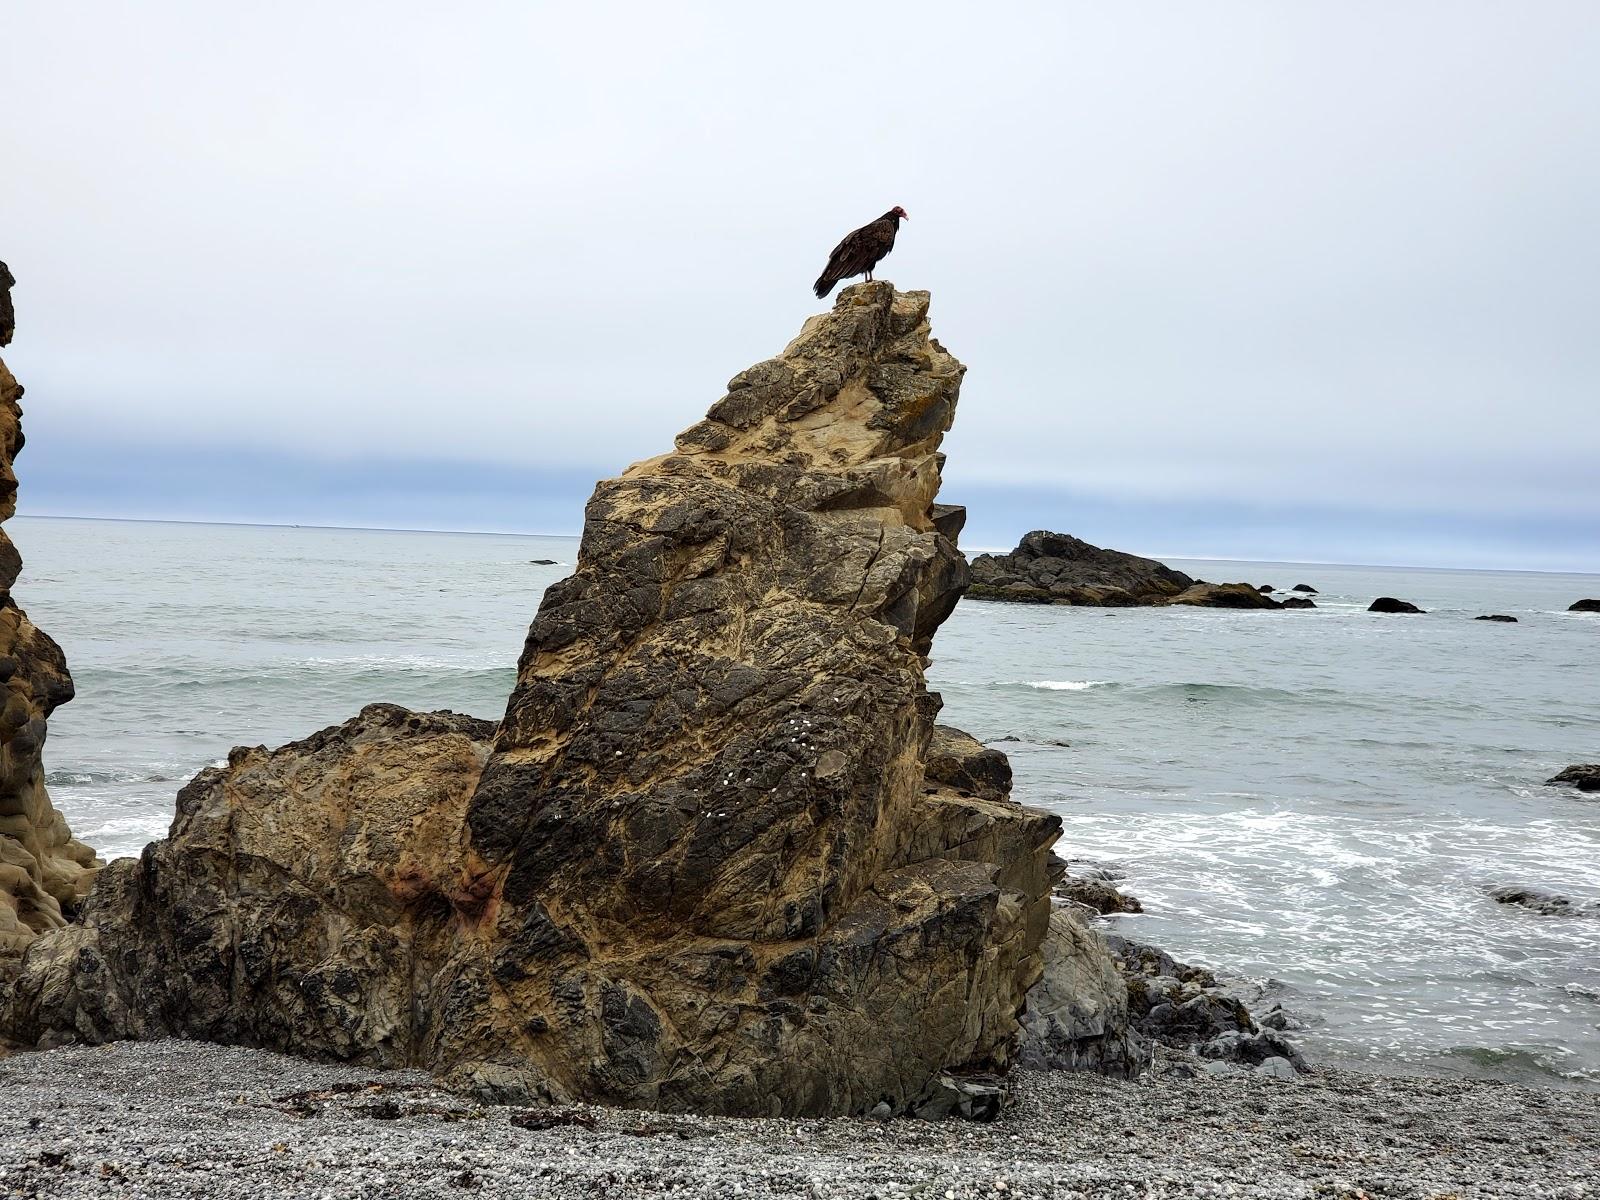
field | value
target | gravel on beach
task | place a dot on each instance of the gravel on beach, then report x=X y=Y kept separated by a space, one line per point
x=186 y=1119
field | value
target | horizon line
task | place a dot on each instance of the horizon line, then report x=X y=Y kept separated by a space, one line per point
x=290 y=525
x=967 y=551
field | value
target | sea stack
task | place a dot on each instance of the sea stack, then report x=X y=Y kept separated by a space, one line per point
x=716 y=856
x=1388 y=604
x=1057 y=568
x=44 y=870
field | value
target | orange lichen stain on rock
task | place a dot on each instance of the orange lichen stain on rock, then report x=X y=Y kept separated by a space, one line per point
x=476 y=898
x=411 y=884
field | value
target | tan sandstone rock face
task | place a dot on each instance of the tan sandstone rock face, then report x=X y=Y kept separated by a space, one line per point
x=44 y=871
x=715 y=857
x=708 y=795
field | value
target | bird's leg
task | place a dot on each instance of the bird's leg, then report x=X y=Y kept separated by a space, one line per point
x=869 y=276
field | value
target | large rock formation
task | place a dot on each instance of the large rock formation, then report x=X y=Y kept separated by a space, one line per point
x=715 y=857
x=1057 y=568
x=44 y=871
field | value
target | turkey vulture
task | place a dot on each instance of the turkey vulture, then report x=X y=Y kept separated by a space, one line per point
x=860 y=251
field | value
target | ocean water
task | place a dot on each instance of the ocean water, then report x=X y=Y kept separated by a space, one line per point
x=1312 y=801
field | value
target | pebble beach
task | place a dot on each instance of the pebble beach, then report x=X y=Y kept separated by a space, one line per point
x=191 y=1120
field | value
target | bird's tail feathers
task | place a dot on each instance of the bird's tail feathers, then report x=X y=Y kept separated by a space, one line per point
x=823 y=285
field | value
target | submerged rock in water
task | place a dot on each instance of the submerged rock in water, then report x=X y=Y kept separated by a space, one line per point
x=1057 y=568
x=716 y=857
x=1501 y=617
x=1299 y=602
x=1592 y=606
x=1583 y=776
x=1306 y=588
x=1545 y=903
x=1223 y=595
x=1265 y=587
x=44 y=871
x=1388 y=604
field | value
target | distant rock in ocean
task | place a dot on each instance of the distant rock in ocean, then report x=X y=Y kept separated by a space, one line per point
x=1223 y=595
x=1548 y=904
x=1265 y=587
x=44 y=871
x=1299 y=602
x=1388 y=604
x=1501 y=617
x=1583 y=776
x=1306 y=588
x=1077 y=1015
x=717 y=856
x=1057 y=568
x=1585 y=606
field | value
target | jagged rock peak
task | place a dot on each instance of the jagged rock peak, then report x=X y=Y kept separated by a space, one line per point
x=716 y=857
x=712 y=766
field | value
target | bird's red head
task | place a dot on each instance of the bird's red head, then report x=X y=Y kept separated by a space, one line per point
x=897 y=211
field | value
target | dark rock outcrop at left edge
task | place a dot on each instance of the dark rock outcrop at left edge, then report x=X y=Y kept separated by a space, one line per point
x=716 y=857
x=44 y=870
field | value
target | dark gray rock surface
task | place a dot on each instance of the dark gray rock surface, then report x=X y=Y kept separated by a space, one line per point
x=1388 y=604
x=1224 y=595
x=1097 y=895
x=1187 y=1007
x=1057 y=568
x=1583 y=776
x=1545 y=903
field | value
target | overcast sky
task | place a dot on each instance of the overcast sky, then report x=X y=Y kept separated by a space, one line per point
x=1303 y=280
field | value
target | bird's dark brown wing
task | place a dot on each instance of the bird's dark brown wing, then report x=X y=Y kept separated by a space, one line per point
x=857 y=253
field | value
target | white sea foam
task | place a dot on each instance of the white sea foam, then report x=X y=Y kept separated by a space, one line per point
x=1066 y=685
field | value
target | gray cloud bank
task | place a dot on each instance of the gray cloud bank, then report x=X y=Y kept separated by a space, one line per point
x=1290 y=280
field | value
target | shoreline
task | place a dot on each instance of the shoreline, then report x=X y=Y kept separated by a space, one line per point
x=193 y=1119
